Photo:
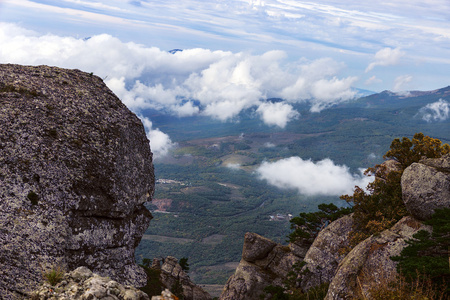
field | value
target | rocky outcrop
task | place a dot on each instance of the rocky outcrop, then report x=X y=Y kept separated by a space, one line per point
x=263 y=263
x=323 y=257
x=75 y=171
x=81 y=283
x=426 y=186
x=172 y=275
x=370 y=261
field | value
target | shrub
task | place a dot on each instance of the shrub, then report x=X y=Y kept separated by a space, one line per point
x=307 y=225
x=382 y=206
x=55 y=275
x=425 y=259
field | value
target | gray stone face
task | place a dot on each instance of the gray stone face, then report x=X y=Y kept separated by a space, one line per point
x=256 y=247
x=263 y=263
x=426 y=186
x=75 y=171
x=81 y=283
x=369 y=262
x=323 y=258
x=172 y=273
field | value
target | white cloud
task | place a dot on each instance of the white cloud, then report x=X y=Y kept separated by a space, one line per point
x=401 y=82
x=195 y=81
x=311 y=178
x=386 y=57
x=372 y=80
x=160 y=142
x=233 y=166
x=436 y=111
x=277 y=114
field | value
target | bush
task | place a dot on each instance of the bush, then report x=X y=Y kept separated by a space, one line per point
x=382 y=206
x=425 y=259
x=54 y=276
x=307 y=225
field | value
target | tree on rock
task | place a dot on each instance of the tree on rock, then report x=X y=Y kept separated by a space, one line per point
x=380 y=206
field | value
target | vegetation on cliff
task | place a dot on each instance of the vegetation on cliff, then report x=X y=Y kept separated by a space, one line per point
x=380 y=206
x=423 y=266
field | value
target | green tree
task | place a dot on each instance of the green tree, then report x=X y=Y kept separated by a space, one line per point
x=427 y=255
x=307 y=225
x=184 y=264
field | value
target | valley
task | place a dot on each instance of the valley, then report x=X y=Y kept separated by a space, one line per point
x=209 y=193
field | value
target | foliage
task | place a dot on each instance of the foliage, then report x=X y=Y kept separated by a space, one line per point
x=398 y=288
x=426 y=256
x=409 y=151
x=184 y=264
x=382 y=205
x=279 y=293
x=307 y=225
x=154 y=285
x=177 y=289
x=54 y=276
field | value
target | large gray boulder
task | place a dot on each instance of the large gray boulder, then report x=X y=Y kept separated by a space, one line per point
x=369 y=262
x=426 y=186
x=75 y=171
x=263 y=263
x=325 y=254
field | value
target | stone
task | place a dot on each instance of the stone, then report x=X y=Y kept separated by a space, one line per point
x=370 y=261
x=75 y=171
x=256 y=247
x=323 y=257
x=93 y=287
x=172 y=274
x=269 y=264
x=426 y=186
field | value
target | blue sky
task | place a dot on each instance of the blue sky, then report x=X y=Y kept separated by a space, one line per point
x=351 y=32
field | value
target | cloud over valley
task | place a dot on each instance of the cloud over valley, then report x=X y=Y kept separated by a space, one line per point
x=310 y=178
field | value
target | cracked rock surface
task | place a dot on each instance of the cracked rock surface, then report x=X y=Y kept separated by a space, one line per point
x=75 y=171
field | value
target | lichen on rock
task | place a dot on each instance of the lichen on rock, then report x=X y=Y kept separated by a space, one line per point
x=75 y=171
x=426 y=186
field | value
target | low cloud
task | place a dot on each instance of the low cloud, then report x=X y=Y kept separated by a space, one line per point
x=436 y=111
x=386 y=57
x=160 y=142
x=277 y=114
x=233 y=166
x=311 y=178
x=401 y=82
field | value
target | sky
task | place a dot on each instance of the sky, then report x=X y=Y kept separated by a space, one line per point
x=237 y=53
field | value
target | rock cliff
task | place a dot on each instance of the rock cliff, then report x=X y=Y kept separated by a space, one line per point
x=425 y=187
x=369 y=262
x=172 y=274
x=75 y=171
x=263 y=263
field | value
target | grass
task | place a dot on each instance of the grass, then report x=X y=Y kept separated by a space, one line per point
x=54 y=276
x=396 y=287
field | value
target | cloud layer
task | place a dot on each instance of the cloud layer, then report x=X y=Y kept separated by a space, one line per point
x=436 y=111
x=311 y=178
x=219 y=84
